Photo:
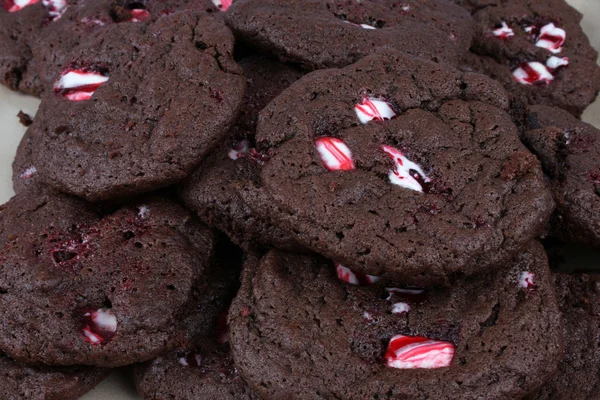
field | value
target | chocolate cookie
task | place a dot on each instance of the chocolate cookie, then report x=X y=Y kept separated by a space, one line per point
x=21 y=382
x=578 y=375
x=139 y=107
x=538 y=51
x=213 y=189
x=203 y=369
x=400 y=167
x=298 y=332
x=82 y=287
x=335 y=33
x=570 y=153
x=36 y=36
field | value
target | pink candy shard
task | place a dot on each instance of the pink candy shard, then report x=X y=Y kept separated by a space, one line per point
x=78 y=84
x=411 y=352
x=336 y=156
x=17 y=5
x=139 y=15
x=527 y=280
x=100 y=326
x=550 y=38
x=533 y=73
x=370 y=109
x=504 y=32
x=222 y=5
x=55 y=8
x=407 y=173
x=354 y=278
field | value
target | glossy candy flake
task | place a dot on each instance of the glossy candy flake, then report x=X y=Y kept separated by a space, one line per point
x=533 y=73
x=334 y=153
x=406 y=173
x=504 y=32
x=222 y=5
x=79 y=84
x=417 y=352
x=100 y=326
x=372 y=109
x=549 y=37
x=353 y=277
x=17 y=5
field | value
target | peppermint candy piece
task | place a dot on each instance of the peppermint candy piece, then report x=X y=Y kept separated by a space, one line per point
x=79 y=84
x=143 y=212
x=55 y=8
x=533 y=73
x=100 y=326
x=222 y=5
x=400 y=308
x=527 y=280
x=551 y=38
x=407 y=173
x=334 y=153
x=139 y=15
x=417 y=352
x=17 y=5
x=370 y=109
x=240 y=150
x=504 y=32
x=554 y=63
x=28 y=173
x=353 y=277
x=190 y=360
x=415 y=295
x=364 y=26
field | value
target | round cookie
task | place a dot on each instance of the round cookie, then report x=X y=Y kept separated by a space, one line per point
x=578 y=375
x=21 y=382
x=213 y=189
x=36 y=36
x=570 y=153
x=138 y=108
x=335 y=33
x=78 y=287
x=538 y=51
x=400 y=167
x=203 y=368
x=298 y=332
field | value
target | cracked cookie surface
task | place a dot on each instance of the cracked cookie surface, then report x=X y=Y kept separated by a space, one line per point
x=399 y=167
x=506 y=338
x=138 y=107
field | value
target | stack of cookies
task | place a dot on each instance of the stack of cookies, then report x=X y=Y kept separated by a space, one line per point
x=302 y=199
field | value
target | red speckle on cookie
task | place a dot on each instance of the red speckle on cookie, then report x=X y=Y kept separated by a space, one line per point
x=353 y=277
x=371 y=108
x=503 y=32
x=407 y=174
x=334 y=153
x=17 y=5
x=417 y=352
x=222 y=5
x=527 y=280
x=100 y=326
x=79 y=84
x=594 y=177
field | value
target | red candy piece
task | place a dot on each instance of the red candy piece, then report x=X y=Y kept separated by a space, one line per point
x=412 y=352
x=549 y=37
x=407 y=174
x=353 y=277
x=100 y=326
x=139 y=15
x=17 y=5
x=504 y=32
x=79 y=84
x=190 y=360
x=222 y=5
x=55 y=8
x=533 y=73
x=336 y=156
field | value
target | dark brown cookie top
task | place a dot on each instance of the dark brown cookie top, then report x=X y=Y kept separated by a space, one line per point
x=79 y=287
x=21 y=382
x=400 y=167
x=335 y=33
x=213 y=189
x=37 y=36
x=139 y=107
x=570 y=153
x=578 y=375
x=203 y=368
x=539 y=52
x=298 y=332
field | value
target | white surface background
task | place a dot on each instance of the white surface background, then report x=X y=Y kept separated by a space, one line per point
x=118 y=386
